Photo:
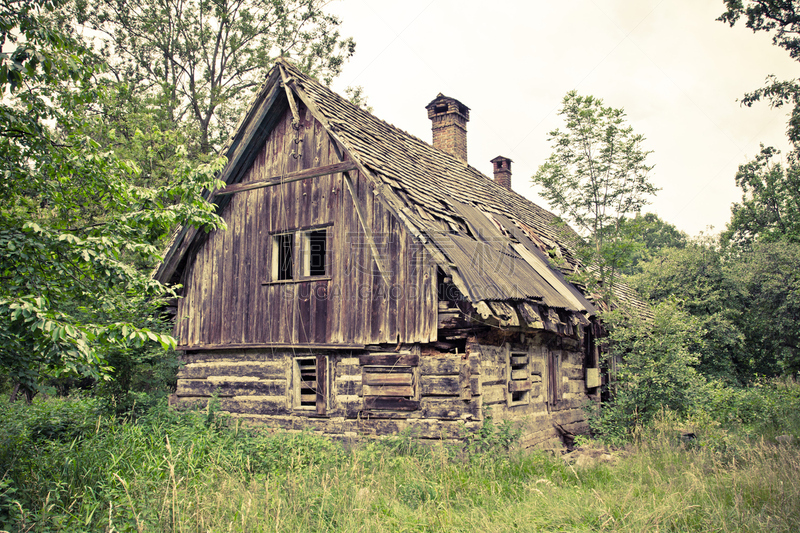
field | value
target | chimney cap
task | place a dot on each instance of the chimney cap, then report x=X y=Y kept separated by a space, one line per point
x=502 y=171
x=443 y=105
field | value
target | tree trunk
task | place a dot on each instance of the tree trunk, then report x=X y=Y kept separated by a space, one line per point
x=28 y=393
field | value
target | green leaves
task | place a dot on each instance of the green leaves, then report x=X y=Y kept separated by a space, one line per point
x=770 y=206
x=78 y=235
x=655 y=367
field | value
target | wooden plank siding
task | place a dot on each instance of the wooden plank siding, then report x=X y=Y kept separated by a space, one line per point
x=230 y=299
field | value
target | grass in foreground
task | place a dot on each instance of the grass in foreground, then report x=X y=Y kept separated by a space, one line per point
x=65 y=468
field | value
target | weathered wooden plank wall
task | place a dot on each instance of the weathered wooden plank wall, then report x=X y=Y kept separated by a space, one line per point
x=230 y=299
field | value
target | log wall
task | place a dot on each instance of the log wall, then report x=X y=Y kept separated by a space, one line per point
x=369 y=393
x=436 y=395
x=231 y=298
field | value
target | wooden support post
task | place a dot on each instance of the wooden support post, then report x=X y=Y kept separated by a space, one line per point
x=322 y=384
x=367 y=232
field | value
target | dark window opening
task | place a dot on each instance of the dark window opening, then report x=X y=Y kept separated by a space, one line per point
x=307 y=369
x=317 y=252
x=440 y=108
x=446 y=290
x=284 y=247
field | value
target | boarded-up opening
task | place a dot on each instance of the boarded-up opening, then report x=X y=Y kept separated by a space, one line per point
x=389 y=382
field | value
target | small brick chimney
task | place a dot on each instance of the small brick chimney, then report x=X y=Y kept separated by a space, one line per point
x=502 y=171
x=449 y=119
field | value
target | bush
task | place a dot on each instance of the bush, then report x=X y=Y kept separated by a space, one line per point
x=768 y=407
x=655 y=369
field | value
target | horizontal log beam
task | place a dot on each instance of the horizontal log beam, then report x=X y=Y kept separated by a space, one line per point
x=399 y=359
x=290 y=177
x=519 y=386
x=391 y=403
x=372 y=378
x=387 y=390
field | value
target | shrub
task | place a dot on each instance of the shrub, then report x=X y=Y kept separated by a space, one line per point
x=655 y=369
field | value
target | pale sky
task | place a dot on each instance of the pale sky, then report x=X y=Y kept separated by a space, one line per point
x=676 y=71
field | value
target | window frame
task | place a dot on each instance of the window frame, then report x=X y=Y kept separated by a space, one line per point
x=523 y=383
x=307 y=254
x=321 y=365
x=301 y=254
x=277 y=248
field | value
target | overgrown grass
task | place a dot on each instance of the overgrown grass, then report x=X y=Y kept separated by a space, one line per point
x=65 y=466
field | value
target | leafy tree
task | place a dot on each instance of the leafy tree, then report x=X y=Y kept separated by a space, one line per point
x=782 y=20
x=202 y=60
x=695 y=275
x=768 y=281
x=595 y=177
x=654 y=234
x=73 y=223
x=770 y=206
x=745 y=302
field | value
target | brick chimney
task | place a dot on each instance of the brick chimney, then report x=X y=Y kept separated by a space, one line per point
x=502 y=171
x=449 y=119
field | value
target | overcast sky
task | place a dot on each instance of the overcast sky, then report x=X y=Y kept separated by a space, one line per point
x=676 y=71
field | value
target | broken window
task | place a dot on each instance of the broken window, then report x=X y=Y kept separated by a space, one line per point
x=519 y=377
x=310 y=384
x=283 y=257
x=315 y=247
x=306 y=260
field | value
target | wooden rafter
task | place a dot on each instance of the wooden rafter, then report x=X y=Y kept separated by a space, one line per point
x=292 y=105
x=290 y=177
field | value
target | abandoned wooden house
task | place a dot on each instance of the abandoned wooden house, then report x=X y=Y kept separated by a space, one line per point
x=369 y=282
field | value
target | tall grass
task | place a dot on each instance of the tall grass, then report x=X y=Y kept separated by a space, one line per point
x=199 y=472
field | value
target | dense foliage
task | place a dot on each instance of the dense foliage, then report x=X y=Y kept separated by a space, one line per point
x=738 y=293
x=77 y=235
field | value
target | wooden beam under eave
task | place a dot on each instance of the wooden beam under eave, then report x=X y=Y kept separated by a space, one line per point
x=267 y=346
x=298 y=175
